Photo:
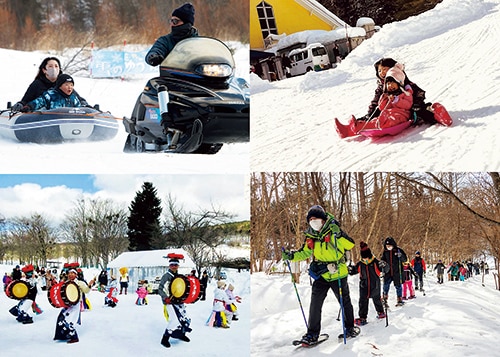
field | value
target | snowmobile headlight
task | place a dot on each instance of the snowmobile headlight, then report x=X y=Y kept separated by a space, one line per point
x=215 y=70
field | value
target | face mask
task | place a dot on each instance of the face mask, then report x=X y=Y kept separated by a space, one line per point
x=52 y=72
x=316 y=224
x=389 y=247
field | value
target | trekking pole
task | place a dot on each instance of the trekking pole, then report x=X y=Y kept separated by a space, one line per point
x=296 y=291
x=338 y=316
x=341 y=300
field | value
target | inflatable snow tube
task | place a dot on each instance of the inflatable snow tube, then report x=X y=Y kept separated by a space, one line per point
x=64 y=294
x=184 y=289
x=58 y=125
x=17 y=289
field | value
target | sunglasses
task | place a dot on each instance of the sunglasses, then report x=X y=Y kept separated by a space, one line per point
x=175 y=22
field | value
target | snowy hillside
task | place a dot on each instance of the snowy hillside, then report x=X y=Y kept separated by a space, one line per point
x=451 y=52
x=127 y=329
x=117 y=97
x=453 y=319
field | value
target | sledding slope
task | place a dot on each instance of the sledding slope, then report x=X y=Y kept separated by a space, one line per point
x=450 y=51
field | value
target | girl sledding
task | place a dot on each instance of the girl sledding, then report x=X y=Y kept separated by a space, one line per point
x=397 y=104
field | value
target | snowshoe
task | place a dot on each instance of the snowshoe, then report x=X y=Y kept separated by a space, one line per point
x=349 y=333
x=412 y=297
x=441 y=114
x=309 y=340
x=360 y=321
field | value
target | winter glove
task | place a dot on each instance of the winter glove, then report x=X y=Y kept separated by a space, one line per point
x=26 y=109
x=352 y=269
x=17 y=107
x=154 y=59
x=287 y=255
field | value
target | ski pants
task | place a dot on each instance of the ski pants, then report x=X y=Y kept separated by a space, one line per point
x=408 y=286
x=364 y=298
x=319 y=291
x=387 y=284
x=419 y=280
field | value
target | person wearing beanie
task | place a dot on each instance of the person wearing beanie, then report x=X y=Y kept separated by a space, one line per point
x=219 y=317
x=181 y=27
x=418 y=265
x=177 y=320
x=369 y=284
x=394 y=104
x=393 y=258
x=328 y=245
x=440 y=267
x=62 y=95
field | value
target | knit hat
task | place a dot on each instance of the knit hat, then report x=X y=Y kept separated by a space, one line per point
x=365 y=251
x=185 y=13
x=63 y=78
x=316 y=211
x=417 y=252
x=221 y=284
x=390 y=241
x=397 y=74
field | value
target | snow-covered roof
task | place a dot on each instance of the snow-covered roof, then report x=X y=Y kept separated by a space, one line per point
x=319 y=36
x=362 y=21
x=322 y=12
x=149 y=258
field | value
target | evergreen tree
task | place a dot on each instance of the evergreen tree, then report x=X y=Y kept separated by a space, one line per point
x=144 y=219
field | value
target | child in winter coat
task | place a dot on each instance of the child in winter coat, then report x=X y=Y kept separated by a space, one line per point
x=218 y=317
x=418 y=265
x=394 y=104
x=142 y=292
x=369 y=284
x=231 y=308
x=110 y=299
x=408 y=273
x=62 y=95
x=393 y=258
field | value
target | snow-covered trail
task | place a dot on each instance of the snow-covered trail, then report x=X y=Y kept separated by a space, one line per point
x=454 y=319
x=450 y=51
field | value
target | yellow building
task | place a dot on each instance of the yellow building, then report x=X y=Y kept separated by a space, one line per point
x=284 y=17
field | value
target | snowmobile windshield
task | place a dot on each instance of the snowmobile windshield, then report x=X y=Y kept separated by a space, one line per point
x=199 y=57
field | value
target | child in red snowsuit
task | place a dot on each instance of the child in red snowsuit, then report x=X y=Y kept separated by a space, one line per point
x=394 y=104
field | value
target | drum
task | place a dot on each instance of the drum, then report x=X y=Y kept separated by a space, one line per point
x=64 y=294
x=17 y=289
x=184 y=289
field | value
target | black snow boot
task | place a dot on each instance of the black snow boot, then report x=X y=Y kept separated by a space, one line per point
x=164 y=340
x=180 y=335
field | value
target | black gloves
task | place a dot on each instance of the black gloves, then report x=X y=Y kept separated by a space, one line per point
x=17 y=107
x=154 y=59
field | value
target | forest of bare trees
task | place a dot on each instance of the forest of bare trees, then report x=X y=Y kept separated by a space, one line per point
x=59 y=24
x=448 y=216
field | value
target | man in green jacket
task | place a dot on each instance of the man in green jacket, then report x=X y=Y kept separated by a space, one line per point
x=328 y=245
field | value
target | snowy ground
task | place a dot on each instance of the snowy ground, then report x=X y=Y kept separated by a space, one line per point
x=127 y=329
x=453 y=319
x=117 y=97
x=451 y=52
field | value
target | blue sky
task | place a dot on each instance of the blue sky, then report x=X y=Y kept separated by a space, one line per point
x=83 y=182
x=54 y=195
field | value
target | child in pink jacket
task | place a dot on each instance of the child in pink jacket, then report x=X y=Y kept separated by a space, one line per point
x=394 y=104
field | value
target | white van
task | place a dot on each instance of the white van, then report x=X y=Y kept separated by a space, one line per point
x=311 y=58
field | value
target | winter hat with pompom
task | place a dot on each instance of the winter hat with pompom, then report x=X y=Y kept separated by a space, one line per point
x=366 y=253
x=397 y=74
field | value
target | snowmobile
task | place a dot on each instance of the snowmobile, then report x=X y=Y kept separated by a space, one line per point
x=194 y=106
x=58 y=125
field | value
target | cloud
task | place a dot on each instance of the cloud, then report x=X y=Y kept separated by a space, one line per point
x=191 y=192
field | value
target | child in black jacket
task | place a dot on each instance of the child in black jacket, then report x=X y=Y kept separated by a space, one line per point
x=369 y=284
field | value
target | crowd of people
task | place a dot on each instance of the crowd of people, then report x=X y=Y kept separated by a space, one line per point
x=329 y=247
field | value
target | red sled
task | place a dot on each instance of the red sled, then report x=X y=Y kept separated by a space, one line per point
x=393 y=130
